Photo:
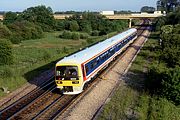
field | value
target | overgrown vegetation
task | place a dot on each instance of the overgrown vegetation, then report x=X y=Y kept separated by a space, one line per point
x=163 y=74
x=154 y=76
x=6 y=55
x=133 y=101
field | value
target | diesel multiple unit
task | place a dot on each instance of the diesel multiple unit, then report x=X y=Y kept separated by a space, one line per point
x=74 y=71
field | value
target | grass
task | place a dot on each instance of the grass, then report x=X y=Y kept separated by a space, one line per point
x=132 y=101
x=32 y=57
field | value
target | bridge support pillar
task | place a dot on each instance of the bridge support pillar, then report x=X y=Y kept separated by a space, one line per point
x=130 y=21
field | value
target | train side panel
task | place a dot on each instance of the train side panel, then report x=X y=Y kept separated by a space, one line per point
x=95 y=65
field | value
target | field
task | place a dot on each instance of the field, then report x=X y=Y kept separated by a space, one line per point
x=131 y=101
x=32 y=57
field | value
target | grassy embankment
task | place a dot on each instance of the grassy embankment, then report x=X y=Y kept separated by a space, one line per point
x=32 y=57
x=131 y=101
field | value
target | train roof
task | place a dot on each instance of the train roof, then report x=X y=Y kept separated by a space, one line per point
x=87 y=53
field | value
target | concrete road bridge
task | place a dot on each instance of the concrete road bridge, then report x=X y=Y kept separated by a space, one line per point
x=129 y=17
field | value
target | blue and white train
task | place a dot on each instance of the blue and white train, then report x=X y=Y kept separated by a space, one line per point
x=74 y=71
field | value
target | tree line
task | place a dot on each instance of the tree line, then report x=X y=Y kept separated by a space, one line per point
x=168 y=5
x=33 y=22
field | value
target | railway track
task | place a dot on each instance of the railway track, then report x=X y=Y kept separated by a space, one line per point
x=60 y=106
x=47 y=103
x=16 y=97
x=101 y=77
x=24 y=101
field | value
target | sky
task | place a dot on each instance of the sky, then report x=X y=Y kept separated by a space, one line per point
x=77 y=5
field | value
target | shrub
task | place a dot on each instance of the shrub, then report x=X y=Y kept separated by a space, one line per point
x=90 y=41
x=95 y=33
x=85 y=26
x=164 y=82
x=9 y=18
x=171 y=85
x=7 y=72
x=24 y=30
x=74 y=26
x=60 y=25
x=6 y=55
x=75 y=36
x=154 y=77
x=102 y=32
x=16 y=38
x=66 y=35
x=4 y=32
x=65 y=50
x=46 y=55
x=84 y=35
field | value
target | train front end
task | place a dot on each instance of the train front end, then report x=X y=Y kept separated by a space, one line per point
x=69 y=78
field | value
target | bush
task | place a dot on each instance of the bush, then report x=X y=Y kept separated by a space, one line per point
x=9 y=18
x=164 y=82
x=75 y=36
x=84 y=35
x=24 y=30
x=60 y=25
x=16 y=38
x=4 y=32
x=7 y=72
x=66 y=35
x=154 y=77
x=46 y=55
x=95 y=33
x=90 y=41
x=6 y=55
x=171 y=85
x=103 y=32
x=74 y=26
x=65 y=50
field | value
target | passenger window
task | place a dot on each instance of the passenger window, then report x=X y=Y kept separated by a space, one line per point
x=92 y=66
x=97 y=60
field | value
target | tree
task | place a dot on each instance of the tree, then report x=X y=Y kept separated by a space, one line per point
x=85 y=26
x=40 y=15
x=148 y=9
x=4 y=31
x=74 y=26
x=24 y=30
x=60 y=25
x=6 y=55
x=167 y=5
x=9 y=18
x=170 y=45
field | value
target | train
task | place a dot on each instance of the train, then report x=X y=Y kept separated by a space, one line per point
x=73 y=72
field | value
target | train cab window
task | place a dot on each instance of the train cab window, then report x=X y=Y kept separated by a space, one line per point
x=67 y=73
x=87 y=69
